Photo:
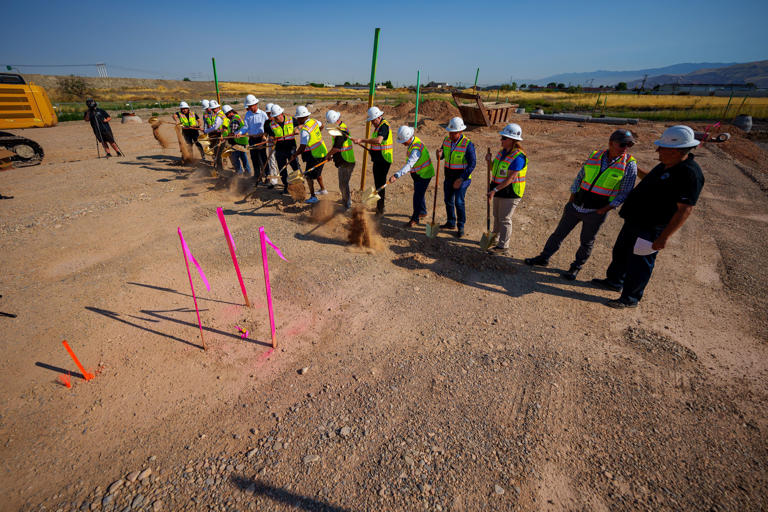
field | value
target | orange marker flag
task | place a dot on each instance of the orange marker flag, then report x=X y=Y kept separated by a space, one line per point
x=86 y=375
x=65 y=380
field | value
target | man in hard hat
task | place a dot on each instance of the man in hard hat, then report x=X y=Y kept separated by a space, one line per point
x=381 y=151
x=312 y=150
x=220 y=124
x=653 y=211
x=459 y=155
x=207 y=114
x=99 y=119
x=602 y=184
x=283 y=133
x=508 y=172
x=343 y=155
x=271 y=160
x=254 y=122
x=419 y=166
x=237 y=131
x=190 y=125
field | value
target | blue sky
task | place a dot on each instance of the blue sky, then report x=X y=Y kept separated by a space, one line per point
x=332 y=41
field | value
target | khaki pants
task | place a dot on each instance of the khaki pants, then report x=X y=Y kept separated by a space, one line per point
x=503 y=208
x=272 y=165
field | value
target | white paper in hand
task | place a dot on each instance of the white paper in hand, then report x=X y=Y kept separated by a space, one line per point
x=643 y=247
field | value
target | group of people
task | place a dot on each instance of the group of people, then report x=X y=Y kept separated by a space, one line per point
x=652 y=211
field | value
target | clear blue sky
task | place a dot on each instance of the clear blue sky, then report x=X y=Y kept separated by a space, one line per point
x=302 y=41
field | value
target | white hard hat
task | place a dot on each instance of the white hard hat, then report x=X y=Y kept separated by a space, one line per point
x=678 y=136
x=268 y=108
x=226 y=109
x=512 y=131
x=456 y=125
x=332 y=116
x=404 y=134
x=276 y=110
x=302 y=111
x=183 y=104
x=373 y=113
x=251 y=100
x=213 y=104
x=206 y=104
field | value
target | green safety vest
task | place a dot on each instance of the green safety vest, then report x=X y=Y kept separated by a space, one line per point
x=456 y=159
x=605 y=184
x=316 y=146
x=386 y=146
x=237 y=123
x=423 y=166
x=500 y=171
x=284 y=132
x=224 y=123
x=208 y=118
x=187 y=122
x=347 y=149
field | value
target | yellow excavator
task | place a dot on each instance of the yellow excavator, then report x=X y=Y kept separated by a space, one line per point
x=22 y=105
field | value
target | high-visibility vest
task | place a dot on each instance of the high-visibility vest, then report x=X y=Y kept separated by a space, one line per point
x=187 y=121
x=208 y=118
x=500 y=171
x=224 y=123
x=456 y=159
x=347 y=149
x=386 y=146
x=315 y=146
x=237 y=123
x=598 y=189
x=423 y=166
x=284 y=131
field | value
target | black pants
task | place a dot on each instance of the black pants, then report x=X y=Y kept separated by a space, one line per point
x=258 y=155
x=632 y=271
x=217 y=145
x=282 y=157
x=380 y=171
x=190 y=136
x=591 y=223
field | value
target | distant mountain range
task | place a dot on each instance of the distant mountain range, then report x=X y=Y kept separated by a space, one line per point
x=603 y=77
x=749 y=72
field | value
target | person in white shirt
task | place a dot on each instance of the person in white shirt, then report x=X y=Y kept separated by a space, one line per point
x=419 y=166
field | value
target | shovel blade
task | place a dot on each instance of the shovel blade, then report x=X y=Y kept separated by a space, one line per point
x=487 y=240
x=370 y=196
x=295 y=177
x=432 y=229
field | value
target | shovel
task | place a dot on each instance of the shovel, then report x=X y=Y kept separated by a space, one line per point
x=488 y=237
x=371 y=195
x=431 y=227
x=335 y=131
x=297 y=176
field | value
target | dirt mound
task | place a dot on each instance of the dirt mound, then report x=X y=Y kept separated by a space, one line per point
x=405 y=109
x=349 y=107
x=438 y=110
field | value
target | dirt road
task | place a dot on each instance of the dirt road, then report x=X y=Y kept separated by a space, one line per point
x=424 y=375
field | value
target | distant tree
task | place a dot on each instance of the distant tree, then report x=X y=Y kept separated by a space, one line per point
x=656 y=87
x=621 y=86
x=186 y=79
x=551 y=85
x=74 y=88
x=561 y=86
x=347 y=83
x=514 y=86
x=522 y=86
x=751 y=85
x=388 y=84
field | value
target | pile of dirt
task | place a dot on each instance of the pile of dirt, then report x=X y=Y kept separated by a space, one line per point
x=405 y=109
x=349 y=107
x=438 y=110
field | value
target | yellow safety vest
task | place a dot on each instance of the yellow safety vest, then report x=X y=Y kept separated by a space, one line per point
x=606 y=184
x=386 y=146
x=423 y=166
x=456 y=159
x=284 y=131
x=316 y=146
x=224 y=123
x=500 y=171
x=187 y=121
x=347 y=150
x=238 y=121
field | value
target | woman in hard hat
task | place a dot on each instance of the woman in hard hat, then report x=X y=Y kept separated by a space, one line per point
x=419 y=166
x=508 y=183
x=381 y=151
x=190 y=125
x=343 y=155
x=459 y=155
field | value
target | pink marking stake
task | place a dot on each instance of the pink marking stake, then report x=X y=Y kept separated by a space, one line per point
x=186 y=251
x=232 y=248
x=264 y=241
x=243 y=331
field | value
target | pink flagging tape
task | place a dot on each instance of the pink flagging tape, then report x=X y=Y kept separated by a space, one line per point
x=185 y=252
x=199 y=269
x=232 y=249
x=264 y=239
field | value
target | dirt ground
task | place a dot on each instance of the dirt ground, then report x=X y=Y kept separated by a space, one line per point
x=422 y=375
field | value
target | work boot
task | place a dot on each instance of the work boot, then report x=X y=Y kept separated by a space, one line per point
x=447 y=225
x=538 y=260
x=109 y=155
x=608 y=285
x=572 y=273
x=411 y=223
x=459 y=233
x=620 y=304
x=498 y=251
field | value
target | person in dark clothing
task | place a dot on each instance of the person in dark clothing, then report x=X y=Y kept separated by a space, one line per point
x=655 y=209
x=381 y=151
x=459 y=155
x=281 y=129
x=99 y=120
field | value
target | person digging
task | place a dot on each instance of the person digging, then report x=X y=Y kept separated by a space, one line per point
x=419 y=166
x=312 y=150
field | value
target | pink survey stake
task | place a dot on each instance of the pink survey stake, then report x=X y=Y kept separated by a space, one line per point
x=264 y=241
x=187 y=253
x=232 y=248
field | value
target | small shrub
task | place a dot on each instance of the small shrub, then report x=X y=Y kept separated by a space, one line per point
x=73 y=87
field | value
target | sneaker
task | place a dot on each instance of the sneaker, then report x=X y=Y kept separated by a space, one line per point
x=447 y=225
x=571 y=274
x=312 y=200
x=620 y=304
x=322 y=192
x=608 y=285
x=348 y=205
x=498 y=251
x=538 y=260
x=120 y=154
x=109 y=155
x=459 y=233
x=411 y=223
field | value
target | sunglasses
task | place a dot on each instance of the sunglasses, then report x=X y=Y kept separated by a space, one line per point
x=625 y=144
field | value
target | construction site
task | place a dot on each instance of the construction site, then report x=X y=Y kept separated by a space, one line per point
x=347 y=362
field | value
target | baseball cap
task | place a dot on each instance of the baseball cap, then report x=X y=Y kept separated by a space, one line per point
x=624 y=136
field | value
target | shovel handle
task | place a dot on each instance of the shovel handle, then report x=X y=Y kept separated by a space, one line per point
x=488 y=203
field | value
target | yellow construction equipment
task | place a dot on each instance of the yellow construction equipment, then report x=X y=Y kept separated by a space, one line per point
x=23 y=105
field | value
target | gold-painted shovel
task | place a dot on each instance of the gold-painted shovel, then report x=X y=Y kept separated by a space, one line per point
x=432 y=227
x=488 y=238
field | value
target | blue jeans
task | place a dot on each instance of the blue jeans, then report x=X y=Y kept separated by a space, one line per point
x=236 y=158
x=629 y=270
x=454 y=197
x=420 y=186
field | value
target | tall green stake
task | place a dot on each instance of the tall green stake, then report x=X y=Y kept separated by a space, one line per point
x=371 y=92
x=216 y=81
x=477 y=74
x=418 y=94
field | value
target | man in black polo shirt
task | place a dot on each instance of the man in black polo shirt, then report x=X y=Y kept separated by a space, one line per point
x=655 y=209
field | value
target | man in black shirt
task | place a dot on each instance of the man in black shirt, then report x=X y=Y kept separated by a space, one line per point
x=99 y=120
x=655 y=209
